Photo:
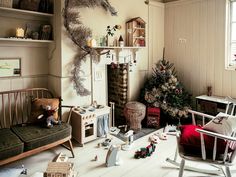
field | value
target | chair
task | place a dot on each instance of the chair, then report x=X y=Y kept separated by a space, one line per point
x=229 y=152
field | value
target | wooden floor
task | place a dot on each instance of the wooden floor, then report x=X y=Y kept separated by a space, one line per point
x=154 y=166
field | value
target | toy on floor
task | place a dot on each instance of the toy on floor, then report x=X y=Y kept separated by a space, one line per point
x=60 y=167
x=107 y=142
x=129 y=140
x=154 y=139
x=145 y=152
x=112 y=157
x=48 y=115
x=170 y=128
x=13 y=171
x=61 y=158
x=161 y=136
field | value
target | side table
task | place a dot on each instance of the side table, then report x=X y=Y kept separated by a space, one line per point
x=211 y=104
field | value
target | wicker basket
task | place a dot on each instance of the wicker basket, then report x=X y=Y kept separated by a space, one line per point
x=134 y=113
x=6 y=3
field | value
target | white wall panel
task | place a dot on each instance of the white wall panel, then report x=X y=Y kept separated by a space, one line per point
x=156 y=32
x=200 y=60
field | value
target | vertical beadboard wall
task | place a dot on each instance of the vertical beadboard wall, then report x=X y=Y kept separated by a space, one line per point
x=195 y=43
x=156 y=32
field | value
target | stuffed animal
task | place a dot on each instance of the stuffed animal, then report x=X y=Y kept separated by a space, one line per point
x=48 y=115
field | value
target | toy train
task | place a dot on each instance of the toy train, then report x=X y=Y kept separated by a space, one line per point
x=145 y=152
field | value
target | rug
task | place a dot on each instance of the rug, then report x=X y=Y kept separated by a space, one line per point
x=141 y=133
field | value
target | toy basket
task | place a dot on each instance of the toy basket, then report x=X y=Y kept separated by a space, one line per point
x=134 y=113
x=6 y=3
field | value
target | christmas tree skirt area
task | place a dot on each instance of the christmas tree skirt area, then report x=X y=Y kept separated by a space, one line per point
x=137 y=135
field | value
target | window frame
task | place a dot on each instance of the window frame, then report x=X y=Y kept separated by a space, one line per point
x=229 y=20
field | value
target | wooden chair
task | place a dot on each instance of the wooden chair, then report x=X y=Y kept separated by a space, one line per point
x=226 y=159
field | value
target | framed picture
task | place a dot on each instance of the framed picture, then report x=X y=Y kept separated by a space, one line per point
x=10 y=67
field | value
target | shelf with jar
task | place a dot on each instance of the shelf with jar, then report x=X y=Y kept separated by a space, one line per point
x=24 y=23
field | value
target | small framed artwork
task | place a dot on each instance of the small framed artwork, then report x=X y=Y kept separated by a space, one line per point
x=10 y=67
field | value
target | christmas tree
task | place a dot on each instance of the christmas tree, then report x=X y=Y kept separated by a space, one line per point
x=165 y=91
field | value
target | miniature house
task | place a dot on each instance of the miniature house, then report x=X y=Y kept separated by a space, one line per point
x=135 y=32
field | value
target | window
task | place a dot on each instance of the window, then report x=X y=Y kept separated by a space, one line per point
x=231 y=52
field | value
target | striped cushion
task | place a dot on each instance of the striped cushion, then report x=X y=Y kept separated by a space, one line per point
x=10 y=144
x=35 y=136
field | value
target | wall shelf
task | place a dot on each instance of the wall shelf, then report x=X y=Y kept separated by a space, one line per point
x=22 y=18
x=24 y=40
x=14 y=42
x=118 y=49
x=12 y=11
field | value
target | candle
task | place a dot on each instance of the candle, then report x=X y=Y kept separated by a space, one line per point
x=20 y=32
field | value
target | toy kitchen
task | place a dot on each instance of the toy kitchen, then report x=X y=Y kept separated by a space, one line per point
x=90 y=122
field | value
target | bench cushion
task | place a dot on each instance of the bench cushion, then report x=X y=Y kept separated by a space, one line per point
x=10 y=144
x=35 y=136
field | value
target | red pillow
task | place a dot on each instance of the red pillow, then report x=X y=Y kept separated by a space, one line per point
x=191 y=141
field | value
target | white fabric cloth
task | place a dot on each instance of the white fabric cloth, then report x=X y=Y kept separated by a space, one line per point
x=223 y=123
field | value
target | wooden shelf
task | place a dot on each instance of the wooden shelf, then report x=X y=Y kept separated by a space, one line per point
x=117 y=47
x=24 y=40
x=137 y=28
x=24 y=12
x=139 y=37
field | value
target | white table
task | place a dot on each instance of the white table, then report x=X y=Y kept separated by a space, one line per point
x=213 y=102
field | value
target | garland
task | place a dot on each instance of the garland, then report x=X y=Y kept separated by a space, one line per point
x=78 y=33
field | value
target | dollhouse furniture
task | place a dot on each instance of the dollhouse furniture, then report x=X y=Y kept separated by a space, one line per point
x=135 y=32
x=21 y=133
x=213 y=142
x=89 y=123
x=134 y=113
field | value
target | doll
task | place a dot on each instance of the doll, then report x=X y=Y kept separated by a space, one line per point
x=48 y=115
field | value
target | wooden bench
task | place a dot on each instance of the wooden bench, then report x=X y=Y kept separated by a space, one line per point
x=19 y=138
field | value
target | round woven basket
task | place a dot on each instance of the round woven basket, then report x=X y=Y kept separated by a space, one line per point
x=134 y=113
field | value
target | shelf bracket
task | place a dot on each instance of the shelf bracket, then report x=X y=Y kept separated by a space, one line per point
x=117 y=52
x=134 y=51
x=100 y=52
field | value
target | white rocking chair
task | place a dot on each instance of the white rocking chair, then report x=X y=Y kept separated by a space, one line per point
x=228 y=157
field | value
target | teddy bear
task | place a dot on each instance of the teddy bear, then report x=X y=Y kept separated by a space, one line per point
x=48 y=115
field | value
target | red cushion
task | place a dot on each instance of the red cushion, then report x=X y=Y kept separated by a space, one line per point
x=191 y=141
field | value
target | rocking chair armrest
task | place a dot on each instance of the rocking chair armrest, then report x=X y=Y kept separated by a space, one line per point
x=69 y=115
x=202 y=115
x=217 y=135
